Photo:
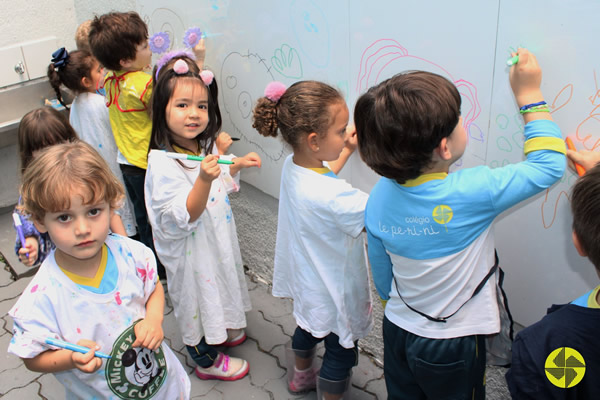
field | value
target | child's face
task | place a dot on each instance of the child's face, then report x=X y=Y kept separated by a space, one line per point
x=457 y=141
x=187 y=112
x=97 y=76
x=143 y=58
x=332 y=144
x=78 y=232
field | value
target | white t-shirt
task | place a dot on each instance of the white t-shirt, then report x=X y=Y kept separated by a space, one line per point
x=89 y=118
x=54 y=306
x=320 y=254
x=202 y=258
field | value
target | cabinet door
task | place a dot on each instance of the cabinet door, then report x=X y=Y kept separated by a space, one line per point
x=12 y=66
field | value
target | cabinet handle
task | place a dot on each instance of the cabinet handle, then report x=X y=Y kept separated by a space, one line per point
x=20 y=68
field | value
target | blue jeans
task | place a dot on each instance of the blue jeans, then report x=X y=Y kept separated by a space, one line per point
x=420 y=368
x=337 y=361
x=203 y=353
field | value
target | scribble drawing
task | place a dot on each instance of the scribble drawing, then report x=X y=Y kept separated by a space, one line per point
x=385 y=57
x=549 y=216
x=312 y=32
x=167 y=20
x=241 y=76
x=286 y=61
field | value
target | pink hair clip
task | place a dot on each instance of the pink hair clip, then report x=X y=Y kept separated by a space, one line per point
x=180 y=67
x=207 y=77
x=274 y=91
x=170 y=55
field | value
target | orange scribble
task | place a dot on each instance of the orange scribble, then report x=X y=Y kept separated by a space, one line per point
x=562 y=192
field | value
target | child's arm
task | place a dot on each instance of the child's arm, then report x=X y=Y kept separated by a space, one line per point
x=200 y=53
x=525 y=80
x=196 y=200
x=63 y=360
x=351 y=143
x=35 y=244
x=116 y=225
x=148 y=332
x=249 y=160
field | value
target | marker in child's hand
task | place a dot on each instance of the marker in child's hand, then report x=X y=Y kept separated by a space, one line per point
x=182 y=156
x=235 y=139
x=580 y=170
x=19 y=228
x=513 y=60
x=74 y=347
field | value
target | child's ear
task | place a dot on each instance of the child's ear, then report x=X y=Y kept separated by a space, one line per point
x=578 y=246
x=125 y=63
x=443 y=150
x=39 y=225
x=86 y=82
x=313 y=141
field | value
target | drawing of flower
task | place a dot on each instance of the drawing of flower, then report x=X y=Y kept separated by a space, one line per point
x=159 y=42
x=192 y=37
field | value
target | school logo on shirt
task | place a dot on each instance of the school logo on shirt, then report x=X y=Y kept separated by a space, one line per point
x=442 y=214
x=565 y=367
x=135 y=372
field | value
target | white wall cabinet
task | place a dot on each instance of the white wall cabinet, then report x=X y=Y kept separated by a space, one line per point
x=25 y=61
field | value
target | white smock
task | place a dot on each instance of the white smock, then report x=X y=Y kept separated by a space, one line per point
x=89 y=118
x=320 y=254
x=205 y=274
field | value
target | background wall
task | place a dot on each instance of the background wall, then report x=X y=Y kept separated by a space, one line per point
x=353 y=45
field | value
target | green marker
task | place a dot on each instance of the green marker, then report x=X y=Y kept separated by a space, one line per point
x=512 y=61
x=182 y=156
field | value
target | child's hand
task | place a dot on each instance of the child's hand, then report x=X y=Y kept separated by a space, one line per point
x=223 y=142
x=526 y=78
x=200 y=52
x=31 y=246
x=209 y=169
x=148 y=334
x=87 y=362
x=587 y=159
x=249 y=160
x=351 y=139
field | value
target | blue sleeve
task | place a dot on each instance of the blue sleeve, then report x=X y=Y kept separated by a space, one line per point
x=545 y=164
x=381 y=265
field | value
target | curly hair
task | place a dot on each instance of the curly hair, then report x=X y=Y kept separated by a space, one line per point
x=402 y=120
x=303 y=108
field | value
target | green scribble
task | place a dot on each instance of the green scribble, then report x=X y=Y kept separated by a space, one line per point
x=504 y=144
x=286 y=61
x=502 y=121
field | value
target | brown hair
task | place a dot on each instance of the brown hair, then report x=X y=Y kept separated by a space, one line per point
x=39 y=129
x=82 y=36
x=303 y=109
x=115 y=36
x=63 y=169
x=585 y=205
x=402 y=120
x=78 y=65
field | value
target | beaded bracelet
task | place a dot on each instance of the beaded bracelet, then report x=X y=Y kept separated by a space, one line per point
x=535 y=109
x=528 y=106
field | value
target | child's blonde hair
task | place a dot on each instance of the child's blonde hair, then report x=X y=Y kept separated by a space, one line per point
x=62 y=169
x=82 y=36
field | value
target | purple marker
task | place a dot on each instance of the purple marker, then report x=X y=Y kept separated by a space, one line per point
x=19 y=228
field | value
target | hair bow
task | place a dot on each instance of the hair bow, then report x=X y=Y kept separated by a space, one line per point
x=60 y=58
x=274 y=91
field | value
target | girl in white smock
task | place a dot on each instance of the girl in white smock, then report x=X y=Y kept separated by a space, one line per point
x=193 y=226
x=320 y=253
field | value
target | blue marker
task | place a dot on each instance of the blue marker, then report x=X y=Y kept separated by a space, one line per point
x=74 y=347
x=19 y=228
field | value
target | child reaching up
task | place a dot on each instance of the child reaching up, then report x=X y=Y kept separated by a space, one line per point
x=194 y=229
x=96 y=289
x=430 y=233
x=81 y=73
x=319 y=255
x=38 y=129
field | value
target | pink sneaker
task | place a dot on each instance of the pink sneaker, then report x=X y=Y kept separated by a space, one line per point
x=303 y=381
x=224 y=368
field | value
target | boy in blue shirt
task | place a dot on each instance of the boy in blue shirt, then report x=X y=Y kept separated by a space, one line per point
x=545 y=365
x=430 y=235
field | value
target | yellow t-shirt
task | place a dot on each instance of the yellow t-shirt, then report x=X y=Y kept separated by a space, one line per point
x=128 y=100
